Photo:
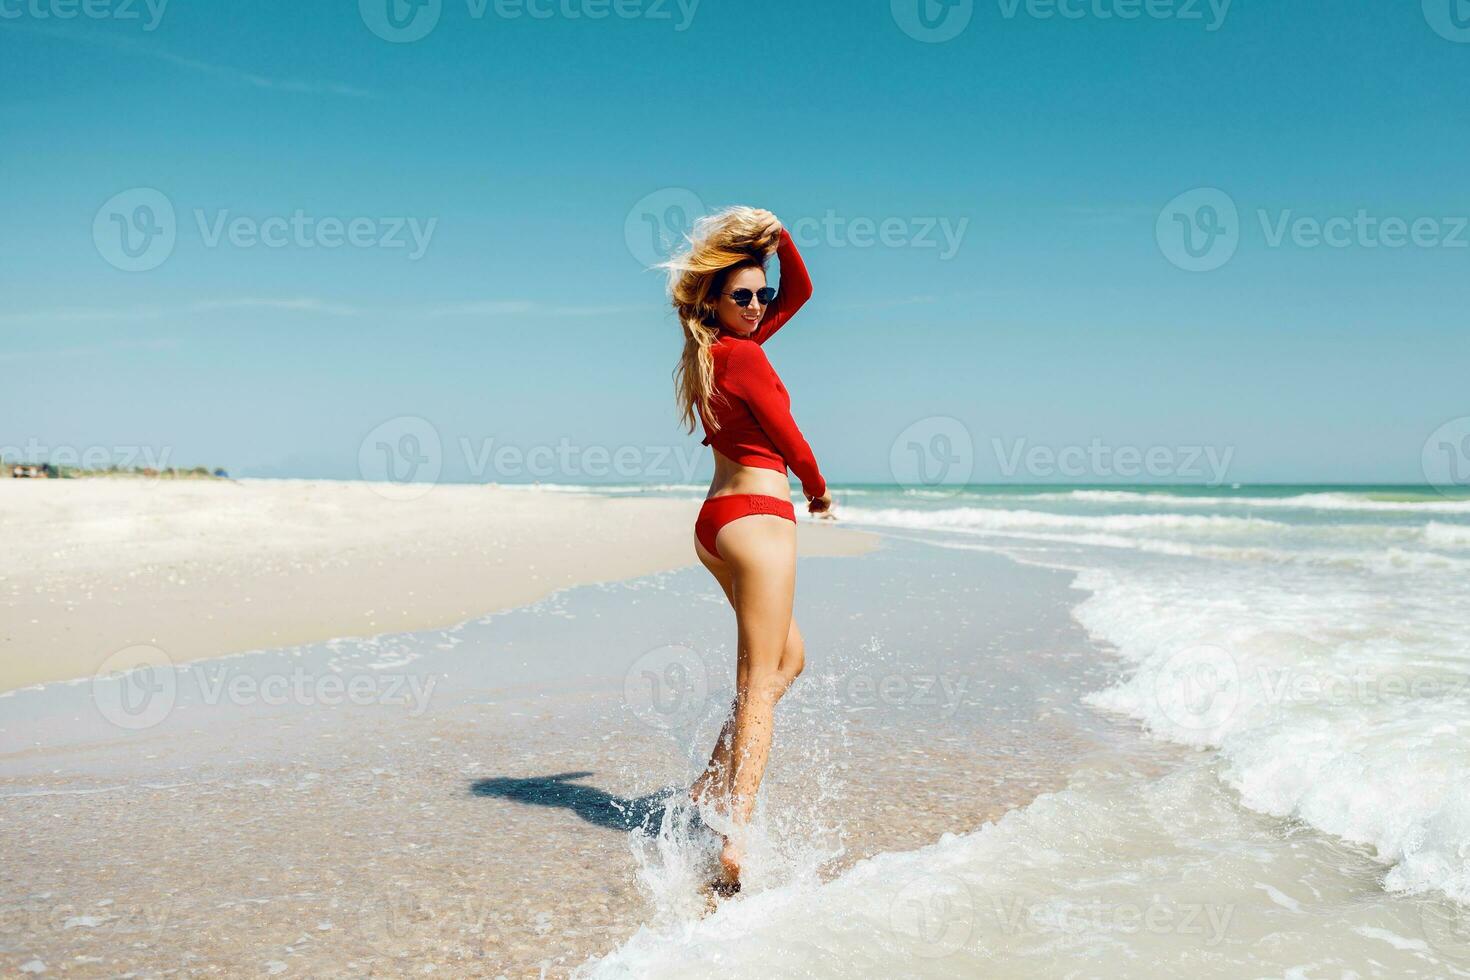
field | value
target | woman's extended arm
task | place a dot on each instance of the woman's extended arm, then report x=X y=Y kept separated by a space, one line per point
x=751 y=376
x=796 y=289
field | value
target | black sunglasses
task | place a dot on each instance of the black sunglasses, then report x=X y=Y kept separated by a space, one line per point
x=742 y=297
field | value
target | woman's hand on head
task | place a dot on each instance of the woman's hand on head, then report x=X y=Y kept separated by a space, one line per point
x=771 y=228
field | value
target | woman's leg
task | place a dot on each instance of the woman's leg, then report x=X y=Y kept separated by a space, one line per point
x=760 y=551
x=716 y=775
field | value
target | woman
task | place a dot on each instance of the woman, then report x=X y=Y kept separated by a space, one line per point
x=746 y=531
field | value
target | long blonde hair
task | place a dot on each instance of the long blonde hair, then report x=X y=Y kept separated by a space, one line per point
x=720 y=243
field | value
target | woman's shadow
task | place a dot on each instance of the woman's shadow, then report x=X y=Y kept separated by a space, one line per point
x=593 y=805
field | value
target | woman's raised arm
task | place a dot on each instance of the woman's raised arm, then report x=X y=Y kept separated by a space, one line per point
x=796 y=289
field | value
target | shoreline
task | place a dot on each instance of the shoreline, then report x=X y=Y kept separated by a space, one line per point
x=205 y=569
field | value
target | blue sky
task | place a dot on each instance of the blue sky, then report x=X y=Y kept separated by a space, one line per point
x=526 y=149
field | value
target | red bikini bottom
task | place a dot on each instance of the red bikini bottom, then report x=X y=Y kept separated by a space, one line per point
x=719 y=511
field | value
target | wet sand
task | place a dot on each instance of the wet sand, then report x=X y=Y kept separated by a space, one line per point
x=481 y=827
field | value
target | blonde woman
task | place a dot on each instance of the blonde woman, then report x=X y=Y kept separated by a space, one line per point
x=746 y=531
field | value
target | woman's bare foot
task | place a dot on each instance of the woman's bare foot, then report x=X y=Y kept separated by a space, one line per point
x=730 y=858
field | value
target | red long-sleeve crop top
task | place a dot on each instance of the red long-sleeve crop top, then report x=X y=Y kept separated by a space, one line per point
x=750 y=402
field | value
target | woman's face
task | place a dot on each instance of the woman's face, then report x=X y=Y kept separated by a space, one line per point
x=736 y=319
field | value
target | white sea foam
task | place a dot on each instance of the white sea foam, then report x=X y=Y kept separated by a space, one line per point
x=1326 y=501
x=1344 y=709
x=1438 y=535
x=1155 y=878
x=990 y=519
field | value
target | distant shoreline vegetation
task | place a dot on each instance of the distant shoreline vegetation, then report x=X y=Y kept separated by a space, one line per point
x=48 y=471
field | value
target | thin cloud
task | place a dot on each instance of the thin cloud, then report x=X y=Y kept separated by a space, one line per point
x=313 y=306
x=92 y=350
x=224 y=72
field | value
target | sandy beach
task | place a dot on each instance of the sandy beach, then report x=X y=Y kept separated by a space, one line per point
x=201 y=568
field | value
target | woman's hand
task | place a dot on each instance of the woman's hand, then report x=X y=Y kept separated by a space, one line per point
x=821 y=506
x=772 y=227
